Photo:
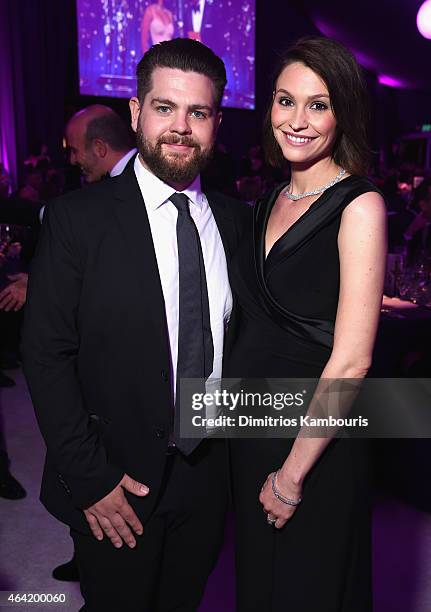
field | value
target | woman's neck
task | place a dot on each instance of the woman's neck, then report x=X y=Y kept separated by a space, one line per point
x=308 y=177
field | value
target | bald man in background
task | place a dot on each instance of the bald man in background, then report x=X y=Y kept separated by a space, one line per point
x=99 y=142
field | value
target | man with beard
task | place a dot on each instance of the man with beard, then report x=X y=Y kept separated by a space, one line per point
x=146 y=506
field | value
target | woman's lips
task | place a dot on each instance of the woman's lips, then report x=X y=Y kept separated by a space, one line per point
x=298 y=141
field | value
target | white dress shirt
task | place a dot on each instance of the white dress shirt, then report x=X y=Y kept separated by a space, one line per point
x=122 y=163
x=162 y=215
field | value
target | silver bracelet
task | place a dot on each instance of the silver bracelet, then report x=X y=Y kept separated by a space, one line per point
x=280 y=497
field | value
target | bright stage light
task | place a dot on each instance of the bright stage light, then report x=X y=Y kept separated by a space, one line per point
x=389 y=81
x=423 y=19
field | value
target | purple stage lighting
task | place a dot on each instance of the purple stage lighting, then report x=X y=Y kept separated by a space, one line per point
x=325 y=28
x=114 y=34
x=423 y=19
x=389 y=81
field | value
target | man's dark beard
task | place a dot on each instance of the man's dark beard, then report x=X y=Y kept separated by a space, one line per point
x=172 y=169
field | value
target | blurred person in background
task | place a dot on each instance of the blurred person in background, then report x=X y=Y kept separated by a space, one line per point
x=33 y=182
x=399 y=214
x=10 y=488
x=99 y=142
x=13 y=287
x=250 y=188
x=254 y=164
x=418 y=233
x=157 y=25
x=38 y=156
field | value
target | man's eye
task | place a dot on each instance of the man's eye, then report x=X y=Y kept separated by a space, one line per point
x=163 y=109
x=319 y=106
x=198 y=114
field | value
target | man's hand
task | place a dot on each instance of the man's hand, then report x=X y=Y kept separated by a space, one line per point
x=113 y=514
x=14 y=295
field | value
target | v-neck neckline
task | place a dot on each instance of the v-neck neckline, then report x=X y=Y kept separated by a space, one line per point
x=294 y=224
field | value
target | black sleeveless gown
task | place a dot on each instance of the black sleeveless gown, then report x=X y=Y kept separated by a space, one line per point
x=321 y=560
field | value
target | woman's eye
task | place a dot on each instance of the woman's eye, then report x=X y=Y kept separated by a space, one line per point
x=285 y=101
x=319 y=106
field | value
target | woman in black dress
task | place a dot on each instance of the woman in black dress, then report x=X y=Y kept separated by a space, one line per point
x=309 y=288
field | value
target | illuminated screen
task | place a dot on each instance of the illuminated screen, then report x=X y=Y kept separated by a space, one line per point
x=114 y=34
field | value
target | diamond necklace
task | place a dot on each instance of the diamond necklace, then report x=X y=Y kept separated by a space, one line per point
x=299 y=196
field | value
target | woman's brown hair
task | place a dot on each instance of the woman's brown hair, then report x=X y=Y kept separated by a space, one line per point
x=343 y=77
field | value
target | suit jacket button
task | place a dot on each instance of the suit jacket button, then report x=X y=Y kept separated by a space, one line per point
x=160 y=433
x=165 y=376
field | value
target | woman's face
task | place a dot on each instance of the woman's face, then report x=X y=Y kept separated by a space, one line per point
x=302 y=119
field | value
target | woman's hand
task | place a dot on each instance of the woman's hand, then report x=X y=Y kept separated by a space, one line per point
x=273 y=507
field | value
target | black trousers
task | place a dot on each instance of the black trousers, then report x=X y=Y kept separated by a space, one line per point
x=320 y=561
x=169 y=567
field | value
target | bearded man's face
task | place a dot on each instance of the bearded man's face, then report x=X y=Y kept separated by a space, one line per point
x=176 y=125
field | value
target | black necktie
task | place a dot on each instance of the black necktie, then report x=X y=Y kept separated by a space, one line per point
x=195 y=343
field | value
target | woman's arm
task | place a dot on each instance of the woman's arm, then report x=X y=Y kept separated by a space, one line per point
x=362 y=248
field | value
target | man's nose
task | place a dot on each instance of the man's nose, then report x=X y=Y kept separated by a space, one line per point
x=181 y=123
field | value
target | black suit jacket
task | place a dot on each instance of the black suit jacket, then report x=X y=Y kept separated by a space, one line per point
x=95 y=344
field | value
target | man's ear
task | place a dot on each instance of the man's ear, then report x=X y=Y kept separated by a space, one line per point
x=135 y=108
x=100 y=148
x=218 y=121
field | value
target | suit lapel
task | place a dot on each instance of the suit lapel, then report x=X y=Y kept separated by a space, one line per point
x=133 y=221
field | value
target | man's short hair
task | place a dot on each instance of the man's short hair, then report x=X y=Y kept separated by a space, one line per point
x=111 y=129
x=182 y=54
